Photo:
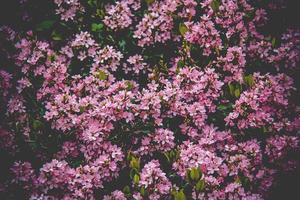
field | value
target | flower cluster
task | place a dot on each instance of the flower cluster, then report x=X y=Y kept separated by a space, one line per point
x=162 y=140
x=5 y=82
x=236 y=161
x=154 y=181
x=135 y=64
x=155 y=99
x=67 y=9
x=115 y=195
x=279 y=146
x=264 y=105
x=234 y=63
x=24 y=175
x=156 y=25
x=205 y=35
x=120 y=16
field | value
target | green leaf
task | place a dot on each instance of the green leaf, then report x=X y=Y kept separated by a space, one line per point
x=136 y=179
x=264 y=129
x=91 y=2
x=143 y=191
x=172 y=154
x=200 y=185
x=126 y=189
x=33 y=145
x=177 y=154
x=222 y=107
x=273 y=42
x=56 y=36
x=231 y=89
x=76 y=163
x=100 y=13
x=249 y=14
x=217 y=51
x=129 y=156
x=215 y=4
x=129 y=85
x=101 y=75
x=245 y=181
x=45 y=25
x=51 y=58
x=37 y=124
x=135 y=163
x=195 y=174
x=82 y=109
x=249 y=80
x=237 y=92
x=167 y=156
x=180 y=64
x=133 y=172
x=183 y=28
x=180 y=195
x=235 y=89
x=97 y=27
x=122 y=44
x=149 y=1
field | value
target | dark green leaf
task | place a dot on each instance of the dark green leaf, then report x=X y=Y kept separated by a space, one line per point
x=180 y=64
x=200 y=185
x=133 y=172
x=231 y=89
x=97 y=27
x=215 y=4
x=143 y=191
x=45 y=25
x=273 y=42
x=36 y=124
x=56 y=36
x=126 y=189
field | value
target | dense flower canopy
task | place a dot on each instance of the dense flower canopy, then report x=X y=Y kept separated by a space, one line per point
x=148 y=99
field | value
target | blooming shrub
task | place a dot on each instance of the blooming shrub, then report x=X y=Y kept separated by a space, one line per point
x=154 y=99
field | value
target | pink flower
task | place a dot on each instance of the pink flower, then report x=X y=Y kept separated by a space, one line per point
x=68 y=9
x=154 y=180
